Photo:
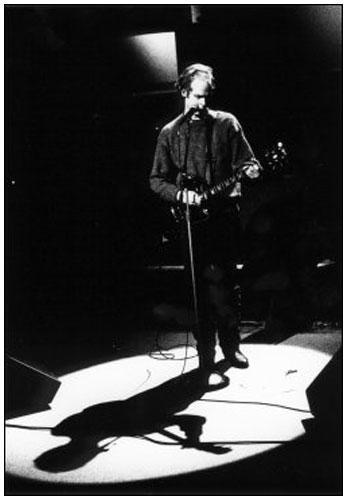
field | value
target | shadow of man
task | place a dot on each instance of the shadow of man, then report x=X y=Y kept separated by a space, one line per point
x=145 y=413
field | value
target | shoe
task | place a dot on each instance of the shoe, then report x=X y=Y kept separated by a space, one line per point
x=237 y=359
x=214 y=380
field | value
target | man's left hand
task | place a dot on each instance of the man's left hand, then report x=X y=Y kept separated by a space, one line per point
x=252 y=171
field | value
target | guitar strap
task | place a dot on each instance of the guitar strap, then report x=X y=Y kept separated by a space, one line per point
x=185 y=160
x=210 y=160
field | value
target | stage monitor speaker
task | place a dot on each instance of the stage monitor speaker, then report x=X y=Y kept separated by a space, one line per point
x=325 y=395
x=27 y=389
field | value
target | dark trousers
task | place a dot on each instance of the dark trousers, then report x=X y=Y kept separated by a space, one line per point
x=215 y=250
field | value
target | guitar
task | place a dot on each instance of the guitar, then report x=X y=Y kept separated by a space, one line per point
x=208 y=196
x=275 y=158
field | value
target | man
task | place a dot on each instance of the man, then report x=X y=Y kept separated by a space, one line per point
x=208 y=145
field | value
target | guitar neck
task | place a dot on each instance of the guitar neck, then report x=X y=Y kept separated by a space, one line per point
x=220 y=187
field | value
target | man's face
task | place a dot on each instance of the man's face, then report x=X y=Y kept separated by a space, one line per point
x=196 y=97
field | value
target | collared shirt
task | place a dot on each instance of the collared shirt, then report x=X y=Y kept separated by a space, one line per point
x=213 y=149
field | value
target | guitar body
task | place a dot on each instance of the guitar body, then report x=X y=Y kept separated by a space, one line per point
x=210 y=203
x=197 y=213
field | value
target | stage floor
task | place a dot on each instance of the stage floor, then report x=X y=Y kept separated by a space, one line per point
x=142 y=419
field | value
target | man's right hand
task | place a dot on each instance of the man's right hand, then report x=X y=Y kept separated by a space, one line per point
x=193 y=197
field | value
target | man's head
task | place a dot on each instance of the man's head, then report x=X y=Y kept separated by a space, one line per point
x=195 y=84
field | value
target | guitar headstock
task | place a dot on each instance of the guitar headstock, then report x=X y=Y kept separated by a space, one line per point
x=276 y=158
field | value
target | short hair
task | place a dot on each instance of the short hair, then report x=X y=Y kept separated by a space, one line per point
x=193 y=71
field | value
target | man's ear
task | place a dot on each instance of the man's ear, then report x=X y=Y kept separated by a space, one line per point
x=184 y=93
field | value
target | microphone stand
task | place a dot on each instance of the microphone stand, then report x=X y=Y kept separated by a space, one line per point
x=192 y=266
x=189 y=234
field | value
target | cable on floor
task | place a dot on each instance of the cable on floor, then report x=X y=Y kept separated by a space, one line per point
x=164 y=354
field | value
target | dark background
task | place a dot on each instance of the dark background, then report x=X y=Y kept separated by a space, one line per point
x=81 y=121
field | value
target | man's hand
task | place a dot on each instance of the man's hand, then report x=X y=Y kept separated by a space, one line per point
x=252 y=171
x=193 y=197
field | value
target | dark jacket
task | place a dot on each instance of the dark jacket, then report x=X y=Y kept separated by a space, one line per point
x=215 y=149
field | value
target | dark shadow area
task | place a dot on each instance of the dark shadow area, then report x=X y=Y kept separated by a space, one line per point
x=81 y=225
x=148 y=412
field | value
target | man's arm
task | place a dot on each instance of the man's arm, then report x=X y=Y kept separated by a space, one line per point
x=243 y=159
x=161 y=178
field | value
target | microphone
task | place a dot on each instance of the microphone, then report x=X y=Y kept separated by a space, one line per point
x=190 y=113
x=202 y=113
